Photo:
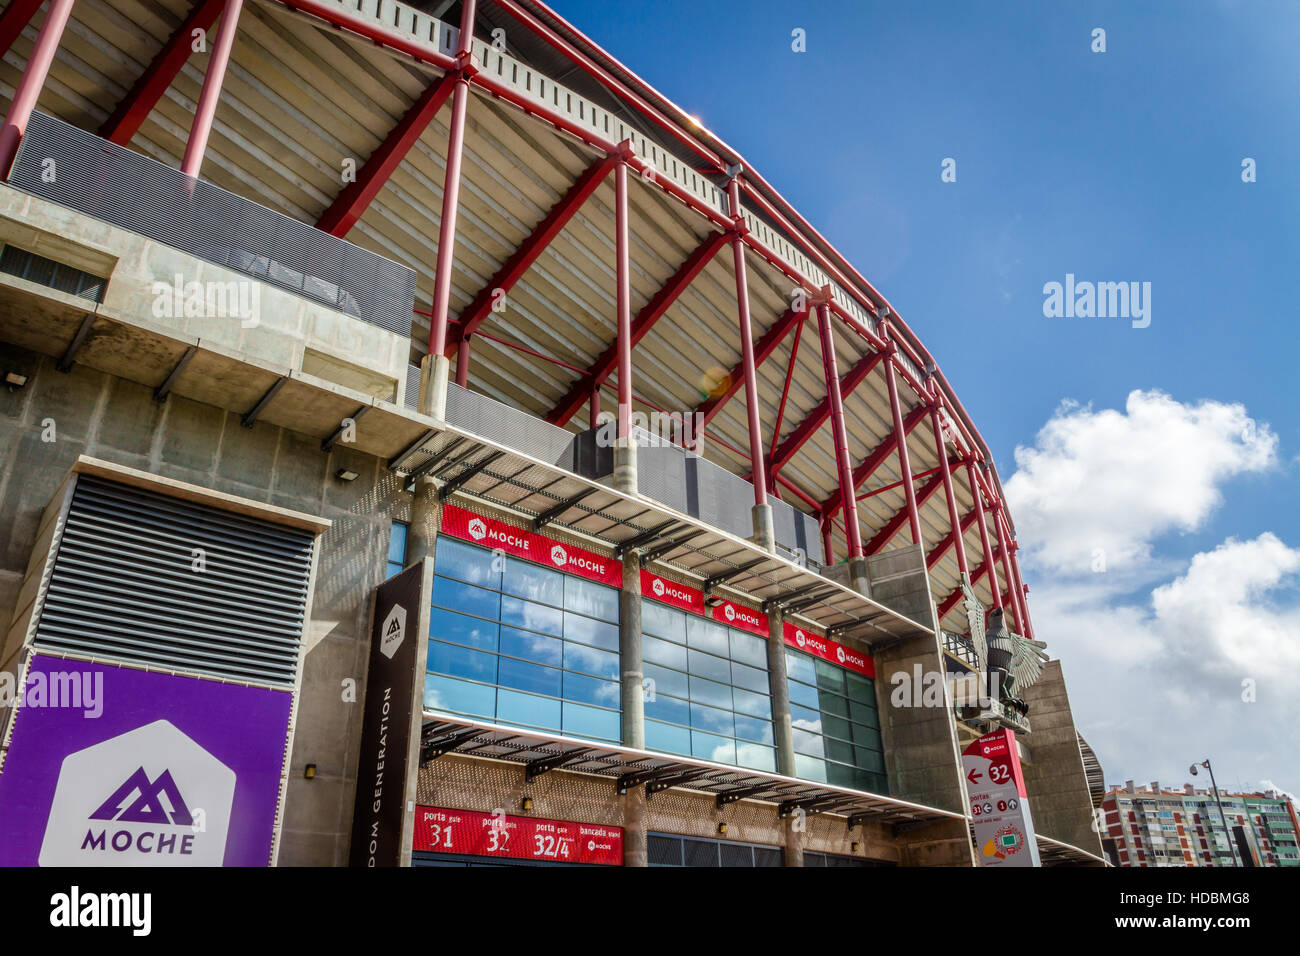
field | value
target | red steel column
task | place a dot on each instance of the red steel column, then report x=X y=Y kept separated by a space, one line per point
x=32 y=81
x=984 y=533
x=1004 y=538
x=624 y=448
x=757 y=465
x=953 y=517
x=451 y=187
x=839 y=430
x=211 y=93
x=1020 y=594
x=462 y=361
x=904 y=461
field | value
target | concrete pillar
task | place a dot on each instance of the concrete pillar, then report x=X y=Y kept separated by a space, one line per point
x=635 y=842
x=625 y=465
x=782 y=724
x=795 y=826
x=435 y=373
x=632 y=693
x=860 y=576
x=764 y=528
x=426 y=519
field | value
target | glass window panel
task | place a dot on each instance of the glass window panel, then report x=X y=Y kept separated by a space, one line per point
x=706 y=665
x=530 y=677
x=591 y=722
x=750 y=728
x=811 y=744
x=837 y=727
x=707 y=635
x=462 y=662
x=466 y=598
x=806 y=719
x=667 y=738
x=834 y=704
x=748 y=649
x=459 y=697
x=710 y=692
x=711 y=747
x=800 y=667
x=590 y=598
x=465 y=562
x=392 y=568
x=532 y=647
x=577 y=657
x=587 y=630
x=838 y=750
x=663 y=652
x=668 y=708
x=809 y=768
x=751 y=678
x=869 y=759
x=861 y=688
x=864 y=713
x=459 y=629
x=868 y=736
x=516 y=708
x=829 y=677
x=666 y=681
x=805 y=696
x=755 y=757
x=589 y=690
x=663 y=621
x=397 y=543
x=531 y=581
x=535 y=617
x=843 y=776
x=756 y=705
x=713 y=720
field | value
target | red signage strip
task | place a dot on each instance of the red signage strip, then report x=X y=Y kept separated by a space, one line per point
x=1000 y=749
x=530 y=546
x=670 y=592
x=741 y=617
x=438 y=830
x=829 y=650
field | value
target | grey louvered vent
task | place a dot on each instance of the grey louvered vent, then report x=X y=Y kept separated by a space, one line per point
x=125 y=587
x=510 y=427
x=119 y=186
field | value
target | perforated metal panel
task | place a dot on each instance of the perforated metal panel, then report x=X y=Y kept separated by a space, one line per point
x=510 y=427
x=122 y=187
x=147 y=578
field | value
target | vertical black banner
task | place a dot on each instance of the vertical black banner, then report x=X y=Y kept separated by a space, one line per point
x=386 y=732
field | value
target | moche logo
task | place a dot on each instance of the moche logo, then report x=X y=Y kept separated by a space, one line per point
x=477 y=529
x=559 y=556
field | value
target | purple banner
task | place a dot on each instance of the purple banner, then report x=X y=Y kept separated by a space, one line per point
x=111 y=766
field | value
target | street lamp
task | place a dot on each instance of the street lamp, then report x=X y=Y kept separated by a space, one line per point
x=1215 y=787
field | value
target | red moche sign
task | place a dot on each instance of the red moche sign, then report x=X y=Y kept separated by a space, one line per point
x=670 y=592
x=439 y=830
x=829 y=650
x=530 y=546
x=738 y=616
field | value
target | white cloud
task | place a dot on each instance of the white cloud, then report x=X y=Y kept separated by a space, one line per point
x=1156 y=649
x=1108 y=483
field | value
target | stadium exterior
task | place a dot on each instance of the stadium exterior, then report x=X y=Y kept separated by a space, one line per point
x=429 y=444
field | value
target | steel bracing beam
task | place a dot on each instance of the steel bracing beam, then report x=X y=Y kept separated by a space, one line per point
x=822 y=412
x=134 y=108
x=14 y=20
x=522 y=258
x=645 y=320
x=767 y=344
x=943 y=547
x=353 y=200
x=903 y=516
x=956 y=594
x=877 y=457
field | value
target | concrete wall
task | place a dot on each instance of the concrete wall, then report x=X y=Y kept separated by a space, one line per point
x=289 y=330
x=117 y=420
x=1054 y=775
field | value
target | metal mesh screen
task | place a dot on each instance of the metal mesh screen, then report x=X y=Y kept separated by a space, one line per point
x=510 y=427
x=122 y=187
x=145 y=577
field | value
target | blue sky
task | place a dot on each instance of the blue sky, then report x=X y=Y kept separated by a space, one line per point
x=1115 y=166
